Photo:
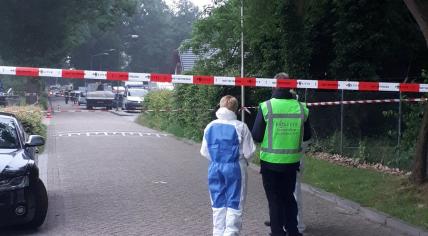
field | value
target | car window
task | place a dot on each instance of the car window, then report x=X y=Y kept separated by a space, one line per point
x=8 y=134
x=138 y=93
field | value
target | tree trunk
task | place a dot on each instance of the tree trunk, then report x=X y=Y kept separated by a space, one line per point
x=419 y=10
x=419 y=170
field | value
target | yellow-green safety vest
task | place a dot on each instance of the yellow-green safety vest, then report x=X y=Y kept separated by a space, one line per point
x=282 y=141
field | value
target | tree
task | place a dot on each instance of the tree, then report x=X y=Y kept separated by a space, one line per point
x=161 y=30
x=42 y=33
x=419 y=10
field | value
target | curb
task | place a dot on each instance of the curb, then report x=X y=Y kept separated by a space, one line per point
x=365 y=212
x=120 y=113
x=43 y=168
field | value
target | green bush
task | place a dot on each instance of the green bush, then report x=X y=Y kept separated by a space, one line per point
x=193 y=107
x=43 y=101
x=31 y=118
x=153 y=103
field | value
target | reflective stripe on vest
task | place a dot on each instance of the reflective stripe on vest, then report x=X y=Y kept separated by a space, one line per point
x=270 y=117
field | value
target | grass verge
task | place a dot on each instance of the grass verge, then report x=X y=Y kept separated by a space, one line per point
x=387 y=193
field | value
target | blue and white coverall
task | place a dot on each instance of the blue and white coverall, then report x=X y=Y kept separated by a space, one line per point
x=228 y=144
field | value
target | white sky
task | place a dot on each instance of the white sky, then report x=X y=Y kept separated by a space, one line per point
x=199 y=3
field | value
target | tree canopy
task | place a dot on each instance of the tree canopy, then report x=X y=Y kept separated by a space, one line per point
x=42 y=33
x=326 y=39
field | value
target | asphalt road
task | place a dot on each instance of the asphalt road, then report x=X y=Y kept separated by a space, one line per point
x=107 y=175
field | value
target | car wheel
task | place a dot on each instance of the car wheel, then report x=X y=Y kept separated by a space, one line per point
x=41 y=205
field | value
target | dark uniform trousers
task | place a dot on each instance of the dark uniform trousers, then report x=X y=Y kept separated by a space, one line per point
x=279 y=186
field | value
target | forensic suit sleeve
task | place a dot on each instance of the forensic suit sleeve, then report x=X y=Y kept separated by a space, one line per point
x=248 y=146
x=204 y=146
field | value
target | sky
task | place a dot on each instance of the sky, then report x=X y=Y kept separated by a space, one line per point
x=199 y=3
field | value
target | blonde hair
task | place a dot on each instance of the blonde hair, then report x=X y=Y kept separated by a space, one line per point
x=230 y=102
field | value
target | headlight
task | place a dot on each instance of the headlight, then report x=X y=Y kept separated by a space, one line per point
x=14 y=183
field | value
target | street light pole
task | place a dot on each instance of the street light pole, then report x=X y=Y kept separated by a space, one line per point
x=242 y=63
x=96 y=55
x=92 y=61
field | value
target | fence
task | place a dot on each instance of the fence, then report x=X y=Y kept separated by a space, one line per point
x=374 y=132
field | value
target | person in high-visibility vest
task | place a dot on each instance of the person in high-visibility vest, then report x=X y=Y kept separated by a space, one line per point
x=281 y=126
x=228 y=145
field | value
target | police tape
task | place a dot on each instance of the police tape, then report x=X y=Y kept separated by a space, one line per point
x=353 y=102
x=247 y=109
x=367 y=101
x=214 y=80
x=314 y=104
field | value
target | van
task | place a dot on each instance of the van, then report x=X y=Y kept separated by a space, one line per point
x=133 y=98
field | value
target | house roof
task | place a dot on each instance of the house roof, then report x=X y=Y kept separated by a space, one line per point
x=188 y=59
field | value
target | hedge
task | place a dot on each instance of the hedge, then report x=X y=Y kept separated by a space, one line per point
x=194 y=108
x=30 y=116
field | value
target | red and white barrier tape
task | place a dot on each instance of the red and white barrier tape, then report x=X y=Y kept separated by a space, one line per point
x=310 y=104
x=317 y=104
x=367 y=101
x=214 y=80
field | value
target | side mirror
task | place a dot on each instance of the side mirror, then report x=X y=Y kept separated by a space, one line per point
x=35 y=140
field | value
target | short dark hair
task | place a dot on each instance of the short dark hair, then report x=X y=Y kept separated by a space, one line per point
x=281 y=75
x=283 y=91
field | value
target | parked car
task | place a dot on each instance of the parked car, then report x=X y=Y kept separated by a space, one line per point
x=134 y=98
x=23 y=196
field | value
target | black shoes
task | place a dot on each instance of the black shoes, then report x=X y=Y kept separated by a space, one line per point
x=267 y=223
x=296 y=234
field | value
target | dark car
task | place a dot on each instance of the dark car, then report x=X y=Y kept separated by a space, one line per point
x=23 y=196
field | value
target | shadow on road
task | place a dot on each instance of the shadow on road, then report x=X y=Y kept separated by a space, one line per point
x=17 y=230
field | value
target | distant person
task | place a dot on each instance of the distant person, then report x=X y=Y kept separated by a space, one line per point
x=66 y=97
x=228 y=144
x=281 y=126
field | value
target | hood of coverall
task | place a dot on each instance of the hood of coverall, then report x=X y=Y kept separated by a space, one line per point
x=225 y=114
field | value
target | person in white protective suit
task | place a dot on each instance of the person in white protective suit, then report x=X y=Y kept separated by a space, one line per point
x=228 y=145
